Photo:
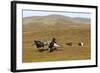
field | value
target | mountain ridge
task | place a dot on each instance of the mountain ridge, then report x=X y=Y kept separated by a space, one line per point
x=54 y=20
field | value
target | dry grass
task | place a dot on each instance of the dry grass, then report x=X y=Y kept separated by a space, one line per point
x=63 y=35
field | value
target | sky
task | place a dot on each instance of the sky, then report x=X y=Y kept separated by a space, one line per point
x=28 y=13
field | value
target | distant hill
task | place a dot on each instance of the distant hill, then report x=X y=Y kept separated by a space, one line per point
x=54 y=21
x=83 y=20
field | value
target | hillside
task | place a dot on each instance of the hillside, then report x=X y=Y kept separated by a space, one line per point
x=65 y=29
x=57 y=21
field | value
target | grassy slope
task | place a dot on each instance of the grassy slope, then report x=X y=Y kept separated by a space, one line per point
x=30 y=53
x=64 y=29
